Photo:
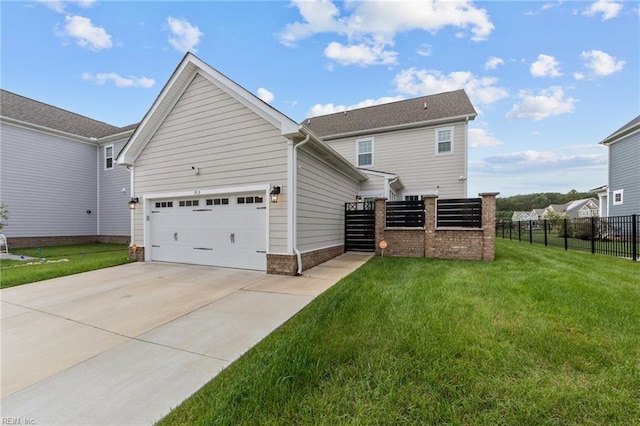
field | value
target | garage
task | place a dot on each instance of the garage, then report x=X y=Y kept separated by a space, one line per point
x=227 y=230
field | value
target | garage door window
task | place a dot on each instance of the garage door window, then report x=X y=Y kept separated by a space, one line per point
x=164 y=204
x=189 y=203
x=250 y=200
x=217 y=201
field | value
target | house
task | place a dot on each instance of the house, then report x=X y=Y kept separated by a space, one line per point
x=584 y=208
x=519 y=216
x=621 y=195
x=422 y=139
x=537 y=214
x=216 y=176
x=58 y=176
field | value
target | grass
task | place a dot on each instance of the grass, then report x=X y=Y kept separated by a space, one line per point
x=536 y=337
x=53 y=262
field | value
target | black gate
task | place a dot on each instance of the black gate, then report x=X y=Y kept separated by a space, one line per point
x=359 y=226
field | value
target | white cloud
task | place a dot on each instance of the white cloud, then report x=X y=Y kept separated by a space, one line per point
x=481 y=137
x=359 y=54
x=324 y=109
x=608 y=9
x=545 y=66
x=60 y=6
x=119 y=81
x=185 y=37
x=493 y=62
x=86 y=33
x=424 y=50
x=483 y=90
x=265 y=95
x=370 y=27
x=601 y=63
x=579 y=76
x=546 y=103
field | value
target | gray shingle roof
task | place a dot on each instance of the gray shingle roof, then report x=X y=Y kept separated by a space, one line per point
x=629 y=125
x=30 y=111
x=438 y=107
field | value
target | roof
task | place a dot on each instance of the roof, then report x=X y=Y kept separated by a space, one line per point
x=414 y=112
x=630 y=127
x=37 y=113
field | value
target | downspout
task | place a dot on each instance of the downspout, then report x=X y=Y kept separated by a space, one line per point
x=132 y=217
x=387 y=185
x=466 y=154
x=294 y=201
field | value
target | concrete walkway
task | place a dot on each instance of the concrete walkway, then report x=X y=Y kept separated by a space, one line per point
x=125 y=345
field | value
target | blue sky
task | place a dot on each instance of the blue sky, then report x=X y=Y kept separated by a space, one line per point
x=548 y=79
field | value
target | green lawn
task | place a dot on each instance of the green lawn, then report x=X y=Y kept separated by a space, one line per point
x=52 y=262
x=536 y=337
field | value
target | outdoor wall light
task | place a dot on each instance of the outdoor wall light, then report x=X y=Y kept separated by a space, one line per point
x=274 y=194
x=133 y=202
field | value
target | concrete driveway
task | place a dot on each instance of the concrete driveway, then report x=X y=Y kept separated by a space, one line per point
x=125 y=345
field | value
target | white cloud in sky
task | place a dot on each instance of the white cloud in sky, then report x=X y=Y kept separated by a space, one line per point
x=86 y=33
x=265 y=95
x=601 y=63
x=324 y=109
x=481 y=137
x=481 y=90
x=60 y=6
x=371 y=27
x=119 y=81
x=424 y=50
x=608 y=9
x=545 y=66
x=184 y=36
x=493 y=62
x=359 y=54
x=544 y=104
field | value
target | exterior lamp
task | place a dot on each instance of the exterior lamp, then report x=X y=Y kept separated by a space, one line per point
x=274 y=194
x=133 y=202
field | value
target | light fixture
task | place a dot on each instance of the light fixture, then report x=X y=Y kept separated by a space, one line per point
x=133 y=202
x=274 y=194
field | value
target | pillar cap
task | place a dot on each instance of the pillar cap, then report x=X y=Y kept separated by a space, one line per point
x=488 y=194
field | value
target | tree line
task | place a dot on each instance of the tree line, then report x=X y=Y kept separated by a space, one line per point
x=527 y=202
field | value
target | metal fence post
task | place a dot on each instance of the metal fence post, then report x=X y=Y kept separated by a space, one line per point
x=564 y=227
x=530 y=231
x=519 y=232
x=545 y=231
x=593 y=235
x=634 y=237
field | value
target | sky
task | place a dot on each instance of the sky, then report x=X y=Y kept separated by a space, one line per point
x=549 y=80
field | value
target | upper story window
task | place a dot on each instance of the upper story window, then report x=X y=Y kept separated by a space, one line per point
x=365 y=152
x=412 y=198
x=444 y=140
x=618 y=198
x=108 y=157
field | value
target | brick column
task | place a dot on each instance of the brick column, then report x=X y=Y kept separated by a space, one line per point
x=489 y=225
x=429 y=225
x=381 y=221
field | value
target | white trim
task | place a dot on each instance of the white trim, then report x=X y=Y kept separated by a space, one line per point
x=613 y=197
x=98 y=192
x=207 y=191
x=113 y=156
x=437 y=143
x=358 y=141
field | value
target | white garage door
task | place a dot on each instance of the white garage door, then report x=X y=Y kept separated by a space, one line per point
x=221 y=230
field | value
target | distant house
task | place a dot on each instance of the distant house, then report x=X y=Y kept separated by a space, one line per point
x=536 y=214
x=518 y=216
x=621 y=195
x=58 y=175
x=587 y=207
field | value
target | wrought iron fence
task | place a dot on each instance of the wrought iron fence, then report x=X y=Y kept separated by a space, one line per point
x=617 y=236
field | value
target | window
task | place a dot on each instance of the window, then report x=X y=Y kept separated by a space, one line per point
x=444 y=141
x=618 y=198
x=250 y=200
x=164 y=204
x=365 y=152
x=412 y=198
x=108 y=157
x=218 y=202
x=189 y=203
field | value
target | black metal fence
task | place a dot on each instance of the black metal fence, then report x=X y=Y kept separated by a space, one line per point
x=359 y=226
x=460 y=212
x=405 y=214
x=617 y=236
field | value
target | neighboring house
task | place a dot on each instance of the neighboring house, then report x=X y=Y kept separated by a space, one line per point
x=537 y=214
x=622 y=193
x=58 y=176
x=602 y=193
x=518 y=216
x=424 y=140
x=577 y=209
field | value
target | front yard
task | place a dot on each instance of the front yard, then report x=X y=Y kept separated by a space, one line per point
x=536 y=337
x=53 y=262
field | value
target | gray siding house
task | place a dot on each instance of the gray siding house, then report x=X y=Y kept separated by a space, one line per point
x=622 y=193
x=58 y=176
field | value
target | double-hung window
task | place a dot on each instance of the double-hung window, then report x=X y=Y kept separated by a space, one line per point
x=364 y=152
x=618 y=197
x=444 y=141
x=108 y=157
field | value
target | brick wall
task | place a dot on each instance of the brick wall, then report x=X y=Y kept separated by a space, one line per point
x=114 y=239
x=287 y=264
x=463 y=244
x=404 y=242
x=21 y=242
x=137 y=255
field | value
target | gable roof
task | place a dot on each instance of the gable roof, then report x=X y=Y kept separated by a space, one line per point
x=623 y=131
x=183 y=75
x=23 y=110
x=424 y=110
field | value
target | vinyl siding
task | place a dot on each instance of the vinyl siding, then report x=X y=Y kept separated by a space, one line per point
x=412 y=155
x=115 y=216
x=48 y=183
x=624 y=173
x=231 y=145
x=373 y=185
x=322 y=192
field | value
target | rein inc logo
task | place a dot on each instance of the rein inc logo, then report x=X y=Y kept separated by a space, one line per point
x=17 y=421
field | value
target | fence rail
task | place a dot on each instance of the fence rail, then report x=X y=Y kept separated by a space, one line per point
x=460 y=212
x=616 y=236
x=405 y=214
